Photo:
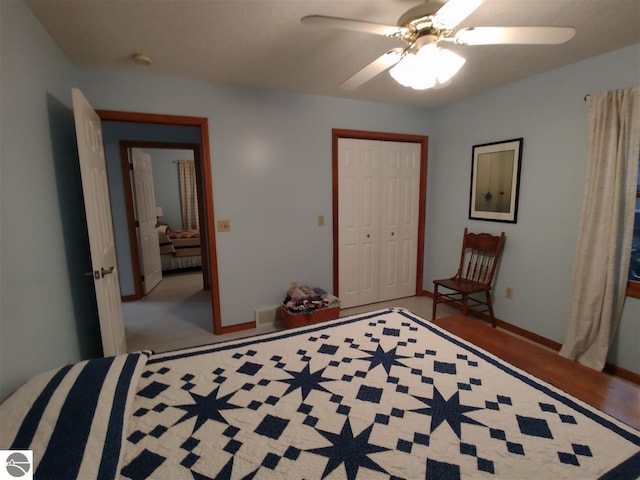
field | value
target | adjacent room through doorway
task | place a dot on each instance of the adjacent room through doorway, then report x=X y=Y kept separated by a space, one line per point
x=199 y=285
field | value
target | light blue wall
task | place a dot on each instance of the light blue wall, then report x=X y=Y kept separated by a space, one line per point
x=271 y=162
x=166 y=184
x=549 y=111
x=113 y=133
x=47 y=307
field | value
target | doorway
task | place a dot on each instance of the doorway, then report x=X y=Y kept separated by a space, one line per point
x=170 y=221
x=422 y=142
x=207 y=210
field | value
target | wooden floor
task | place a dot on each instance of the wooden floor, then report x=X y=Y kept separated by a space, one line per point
x=617 y=397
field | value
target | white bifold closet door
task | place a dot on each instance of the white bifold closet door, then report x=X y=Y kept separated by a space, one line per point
x=378 y=195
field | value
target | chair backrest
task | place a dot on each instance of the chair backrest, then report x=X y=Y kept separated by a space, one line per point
x=479 y=257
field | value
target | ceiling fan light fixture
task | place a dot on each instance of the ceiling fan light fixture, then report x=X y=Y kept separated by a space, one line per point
x=411 y=72
x=421 y=64
x=429 y=67
x=449 y=63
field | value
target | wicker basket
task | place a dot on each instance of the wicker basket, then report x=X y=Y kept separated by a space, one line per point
x=292 y=320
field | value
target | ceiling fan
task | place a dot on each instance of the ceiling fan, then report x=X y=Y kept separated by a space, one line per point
x=422 y=63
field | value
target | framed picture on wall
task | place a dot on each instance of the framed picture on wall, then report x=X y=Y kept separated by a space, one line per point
x=495 y=181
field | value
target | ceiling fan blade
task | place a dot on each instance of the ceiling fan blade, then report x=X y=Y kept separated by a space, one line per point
x=514 y=35
x=453 y=12
x=376 y=67
x=353 y=25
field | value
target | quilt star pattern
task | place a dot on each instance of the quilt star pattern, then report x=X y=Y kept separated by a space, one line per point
x=385 y=395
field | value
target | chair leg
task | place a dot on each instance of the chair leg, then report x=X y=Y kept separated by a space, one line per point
x=465 y=305
x=493 y=318
x=435 y=302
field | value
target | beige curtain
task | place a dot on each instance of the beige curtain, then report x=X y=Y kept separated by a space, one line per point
x=604 y=245
x=188 y=194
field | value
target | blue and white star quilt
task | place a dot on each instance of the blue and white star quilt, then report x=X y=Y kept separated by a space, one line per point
x=385 y=395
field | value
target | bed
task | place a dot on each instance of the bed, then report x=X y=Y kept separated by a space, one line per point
x=179 y=249
x=383 y=395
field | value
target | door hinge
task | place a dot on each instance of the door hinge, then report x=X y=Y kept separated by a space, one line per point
x=131 y=166
x=142 y=278
x=137 y=224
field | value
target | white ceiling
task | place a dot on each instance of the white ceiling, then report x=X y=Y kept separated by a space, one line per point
x=262 y=43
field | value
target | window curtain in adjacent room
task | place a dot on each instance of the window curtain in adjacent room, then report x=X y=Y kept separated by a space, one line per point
x=604 y=245
x=188 y=194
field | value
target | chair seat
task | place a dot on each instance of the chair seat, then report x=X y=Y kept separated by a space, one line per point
x=462 y=285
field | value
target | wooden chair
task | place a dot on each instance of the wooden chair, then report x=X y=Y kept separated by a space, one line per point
x=478 y=262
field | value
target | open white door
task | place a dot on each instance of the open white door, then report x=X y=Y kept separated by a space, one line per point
x=145 y=202
x=98 y=212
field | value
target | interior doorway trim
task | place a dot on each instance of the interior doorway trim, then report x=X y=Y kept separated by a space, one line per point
x=336 y=135
x=125 y=146
x=203 y=124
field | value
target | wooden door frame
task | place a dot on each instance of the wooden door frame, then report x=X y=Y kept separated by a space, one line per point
x=125 y=145
x=203 y=124
x=336 y=135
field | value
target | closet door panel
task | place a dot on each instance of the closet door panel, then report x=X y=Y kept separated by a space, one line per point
x=408 y=233
x=350 y=246
x=389 y=225
x=390 y=219
x=369 y=222
x=348 y=223
x=399 y=219
x=358 y=221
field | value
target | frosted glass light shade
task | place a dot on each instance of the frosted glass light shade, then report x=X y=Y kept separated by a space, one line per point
x=427 y=68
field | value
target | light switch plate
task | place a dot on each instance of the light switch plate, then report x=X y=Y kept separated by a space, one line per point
x=224 y=225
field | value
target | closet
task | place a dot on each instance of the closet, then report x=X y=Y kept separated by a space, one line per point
x=378 y=197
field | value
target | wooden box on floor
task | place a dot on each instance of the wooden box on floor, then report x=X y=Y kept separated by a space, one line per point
x=291 y=320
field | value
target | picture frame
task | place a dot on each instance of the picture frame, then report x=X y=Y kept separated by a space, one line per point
x=495 y=181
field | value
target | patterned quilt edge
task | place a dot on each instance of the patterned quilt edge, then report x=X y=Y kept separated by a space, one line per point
x=75 y=418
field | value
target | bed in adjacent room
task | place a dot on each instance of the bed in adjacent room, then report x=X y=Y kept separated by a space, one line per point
x=383 y=395
x=179 y=249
